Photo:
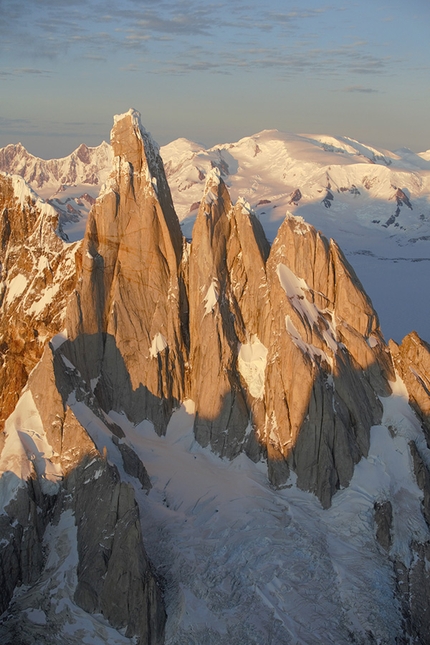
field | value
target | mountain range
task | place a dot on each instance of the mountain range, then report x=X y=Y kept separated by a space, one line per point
x=375 y=203
x=206 y=437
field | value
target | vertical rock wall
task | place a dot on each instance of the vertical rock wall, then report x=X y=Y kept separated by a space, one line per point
x=125 y=319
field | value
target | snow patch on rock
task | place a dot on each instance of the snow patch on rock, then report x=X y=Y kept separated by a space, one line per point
x=211 y=297
x=16 y=287
x=159 y=344
x=296 y=289
x=26 y=450
x=306 y=348
x=252 y=360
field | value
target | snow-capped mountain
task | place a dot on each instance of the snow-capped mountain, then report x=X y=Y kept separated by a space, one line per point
x=70 y=184
x=218 y=446
x=374 y=203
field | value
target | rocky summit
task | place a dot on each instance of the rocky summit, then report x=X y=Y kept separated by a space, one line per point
x=273 y=356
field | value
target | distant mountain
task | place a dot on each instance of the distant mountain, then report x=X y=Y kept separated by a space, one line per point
x=374 y=203
x=83 y=166
x=70 y=184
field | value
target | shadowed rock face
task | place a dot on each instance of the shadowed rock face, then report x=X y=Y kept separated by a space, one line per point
x=113 y=575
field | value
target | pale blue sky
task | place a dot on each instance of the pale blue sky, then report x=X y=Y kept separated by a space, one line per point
x=214 y=72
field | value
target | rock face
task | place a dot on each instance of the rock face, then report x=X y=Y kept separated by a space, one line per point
x=383 y=512
x=37 y=274
x=284 y=342
x=278 y=347
x=127 y=317
x=412 y=361
x=60 y=470
x=414 y=594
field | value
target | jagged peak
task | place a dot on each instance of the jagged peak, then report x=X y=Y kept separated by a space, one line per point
x=26 y=195
x=16 y=146
x=300 y=226
x=213 y=178
x=140 y=132
x=212 y=187
x=245 y=206
x=134 y=145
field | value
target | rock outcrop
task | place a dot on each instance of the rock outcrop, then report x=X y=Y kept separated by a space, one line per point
x=412 y=361
x=413 y=592
x=54 y=467
x=37 y=275
x=277 y=345
x=285 y=343
x=279 y=348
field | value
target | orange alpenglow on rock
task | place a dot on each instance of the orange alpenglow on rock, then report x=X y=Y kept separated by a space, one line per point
x=278 y=346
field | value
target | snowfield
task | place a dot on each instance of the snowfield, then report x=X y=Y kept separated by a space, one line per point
x=240 y=562
x=244 y=563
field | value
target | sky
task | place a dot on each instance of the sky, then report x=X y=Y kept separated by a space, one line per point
x=214 y=72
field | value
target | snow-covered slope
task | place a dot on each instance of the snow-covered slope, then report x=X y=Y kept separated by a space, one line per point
x=375 y=203
x=231 y=547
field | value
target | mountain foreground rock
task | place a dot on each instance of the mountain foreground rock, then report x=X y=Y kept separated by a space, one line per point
x=275 y=354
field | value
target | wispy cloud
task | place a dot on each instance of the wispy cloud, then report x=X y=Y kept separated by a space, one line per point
x=283 y=61
x=33 y=71
x=360 y=89
x=101 y=31
x=36 y=127
x=25 y=71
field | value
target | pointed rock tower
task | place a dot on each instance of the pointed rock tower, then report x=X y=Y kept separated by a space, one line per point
x=327 y=362
x=128 y=316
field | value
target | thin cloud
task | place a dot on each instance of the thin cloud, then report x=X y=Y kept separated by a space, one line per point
x=25 y=71
x=286 y=62
x=360 y=89
x=162 y=31
x=32 y=71
x=292 y=16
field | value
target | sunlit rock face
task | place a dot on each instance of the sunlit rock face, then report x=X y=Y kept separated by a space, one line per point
x=330 y=357
x=37 y=274
x=127 y=317
x=278 y=347
x=412 y=361
x=287 y=357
